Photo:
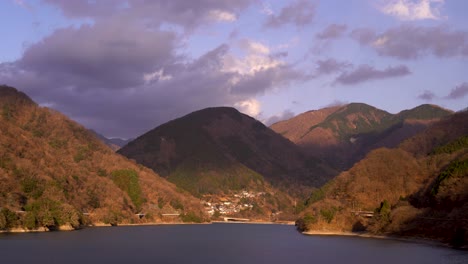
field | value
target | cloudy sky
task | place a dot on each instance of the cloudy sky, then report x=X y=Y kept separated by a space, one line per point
x=123 y=67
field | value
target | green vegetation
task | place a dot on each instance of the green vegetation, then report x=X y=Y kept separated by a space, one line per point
x=328 y=214
x=50 y=213
x=318 y=194
x=127 y=181
x=369 y=119
x=305 y=222
x=101 y=172
x=94 y=201
x=300 y=206
x=57 y=143
x=8 y=219
x=113 y=217
x=32 y=186
x=82 y=153
x=208 y=177
x=454 y=169
x=6 y=112
x=453 y=146
x=176 y=204
x=191 y=218
x=384 y=210
x=161 y=202
x=424 y=112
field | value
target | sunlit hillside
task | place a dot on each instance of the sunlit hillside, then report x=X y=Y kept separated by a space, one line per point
x=54 y=172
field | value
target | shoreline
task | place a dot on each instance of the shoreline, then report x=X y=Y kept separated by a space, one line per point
x=430 y=242
x=17 y=230
x=254 y=222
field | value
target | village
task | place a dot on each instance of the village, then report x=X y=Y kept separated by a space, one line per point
x=231 y=203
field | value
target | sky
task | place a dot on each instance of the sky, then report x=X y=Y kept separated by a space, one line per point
x=123 y=67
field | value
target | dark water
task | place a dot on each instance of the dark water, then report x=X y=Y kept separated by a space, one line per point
x=216 y=243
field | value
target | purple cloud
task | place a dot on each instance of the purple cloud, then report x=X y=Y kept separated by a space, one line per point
x=121 y=79
x=367 y=73
x=101 y=55
x=458 y=92
x=298 y=13
x=427 y=96
x=286 y=114
x=187 y=14
x=363 y=36
x=411 y=42
x=336 y=103
x=333 y=31
x=330 y=66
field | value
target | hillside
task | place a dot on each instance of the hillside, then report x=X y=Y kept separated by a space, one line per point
x=218 y=150
x=419 y=189
x=345 y=134
x=54 y=172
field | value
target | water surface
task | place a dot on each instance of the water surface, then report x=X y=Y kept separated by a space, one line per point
x=216 y=243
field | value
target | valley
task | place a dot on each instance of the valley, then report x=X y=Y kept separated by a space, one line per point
x=407 y=171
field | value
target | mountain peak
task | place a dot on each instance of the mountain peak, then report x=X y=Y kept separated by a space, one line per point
x=358 y=108
x=211 y=113
x=425 y=112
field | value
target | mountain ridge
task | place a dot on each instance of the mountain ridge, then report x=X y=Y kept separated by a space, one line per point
x=344 y=134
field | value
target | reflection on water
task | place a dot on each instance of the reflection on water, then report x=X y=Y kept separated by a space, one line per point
x=216 y=243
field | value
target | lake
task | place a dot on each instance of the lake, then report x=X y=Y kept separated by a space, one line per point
x=215 y=243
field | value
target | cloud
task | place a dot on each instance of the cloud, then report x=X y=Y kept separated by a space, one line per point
x=298 y=13
x=365 y=73
x=266 y=9
x=102 y=55
x=289 y=44
x=413 y=9
x=333 y=31
x=254 y=46
x=363 y=36
x=249 y=107
x=458 y=92
x=330 y=66
x=286 y=114
x=336 y=103
x=224 y=16
x=427 y=96
x=411 y=42
x=324 y=39
x=187 y=14
x=156 y=76
x=123 y=79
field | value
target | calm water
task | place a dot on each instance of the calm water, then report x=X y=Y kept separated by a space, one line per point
x=216 y=243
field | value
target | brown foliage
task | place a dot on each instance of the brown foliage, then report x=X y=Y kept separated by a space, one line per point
x=44 y=155
x=406 y=177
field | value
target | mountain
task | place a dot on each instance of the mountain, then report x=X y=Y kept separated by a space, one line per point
x=343 y=135
x=119 y=141
x=54 y=172
x=113 y=143
x=216 y=150
x=419 y=189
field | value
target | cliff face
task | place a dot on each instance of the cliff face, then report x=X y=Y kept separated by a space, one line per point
x=59 y=173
